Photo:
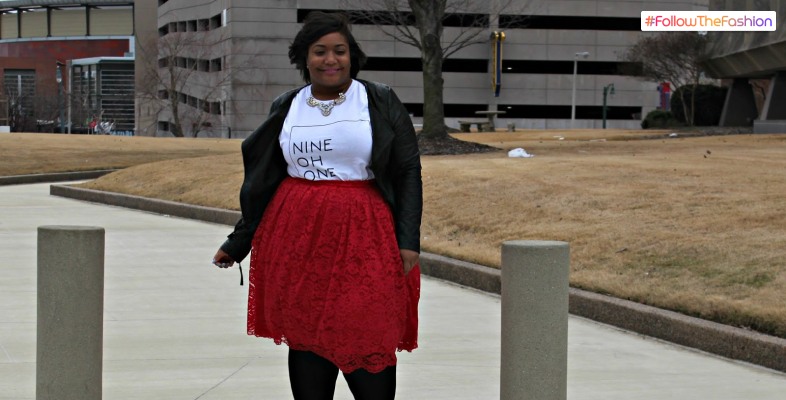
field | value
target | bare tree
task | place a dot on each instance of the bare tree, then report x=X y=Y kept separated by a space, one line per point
x=177 y=57
x=47 y=113
x=21 y=110
x=82 y=108
x=28 y=113
x=16 y=114
x=675 y=57
x=3 y=110
x=187 y=80
x=31 y=105
x=420 y=23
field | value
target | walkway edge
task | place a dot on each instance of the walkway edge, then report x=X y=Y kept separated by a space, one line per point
x=723 y=340
x=53 y=177
x=207 y=214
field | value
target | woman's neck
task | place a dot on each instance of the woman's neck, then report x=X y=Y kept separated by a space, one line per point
x=328 y=93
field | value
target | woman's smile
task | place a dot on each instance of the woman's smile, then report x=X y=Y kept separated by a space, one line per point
x=329 y=66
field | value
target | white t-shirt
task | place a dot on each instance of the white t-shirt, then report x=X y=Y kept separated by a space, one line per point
x=332 y=147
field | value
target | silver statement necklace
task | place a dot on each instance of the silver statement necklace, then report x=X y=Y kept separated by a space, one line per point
x=327 y=106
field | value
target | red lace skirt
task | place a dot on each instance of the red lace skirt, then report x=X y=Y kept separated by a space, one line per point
x=326 y=275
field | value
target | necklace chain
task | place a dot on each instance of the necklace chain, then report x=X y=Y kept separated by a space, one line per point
x=326 y=107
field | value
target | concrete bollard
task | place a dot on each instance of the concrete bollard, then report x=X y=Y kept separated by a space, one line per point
x=69 y=346
x=534 y=358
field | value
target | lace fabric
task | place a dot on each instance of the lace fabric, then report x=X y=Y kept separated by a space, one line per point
x=326 y=276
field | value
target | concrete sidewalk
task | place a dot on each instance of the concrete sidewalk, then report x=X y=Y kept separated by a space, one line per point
x=174 y=326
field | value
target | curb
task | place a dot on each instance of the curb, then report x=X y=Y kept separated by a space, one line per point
x=723 y=340
x=54 y=177
x=207 y=214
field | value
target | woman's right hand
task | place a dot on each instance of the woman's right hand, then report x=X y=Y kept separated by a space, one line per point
x=222 y=259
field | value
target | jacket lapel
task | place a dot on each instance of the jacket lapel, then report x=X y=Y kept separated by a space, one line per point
x=380 y=131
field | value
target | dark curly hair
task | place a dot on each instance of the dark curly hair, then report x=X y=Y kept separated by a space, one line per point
x=316 y=25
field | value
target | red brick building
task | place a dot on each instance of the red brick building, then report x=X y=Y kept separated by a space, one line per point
x=39 y=38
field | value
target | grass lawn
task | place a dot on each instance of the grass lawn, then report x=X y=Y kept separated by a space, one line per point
x=692 y=224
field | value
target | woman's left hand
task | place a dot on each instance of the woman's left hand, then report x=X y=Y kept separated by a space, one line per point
x=410 y=258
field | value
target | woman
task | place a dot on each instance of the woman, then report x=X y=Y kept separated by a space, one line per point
x=331 y=206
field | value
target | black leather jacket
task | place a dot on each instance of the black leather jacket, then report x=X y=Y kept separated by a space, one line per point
x=395 y=161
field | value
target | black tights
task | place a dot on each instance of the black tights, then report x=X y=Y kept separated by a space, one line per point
x=314 y=378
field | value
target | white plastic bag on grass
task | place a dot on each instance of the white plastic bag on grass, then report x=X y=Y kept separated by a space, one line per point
x=519 y=153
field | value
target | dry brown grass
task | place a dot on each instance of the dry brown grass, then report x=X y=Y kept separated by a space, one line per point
x=696 y=225
x=26 y=153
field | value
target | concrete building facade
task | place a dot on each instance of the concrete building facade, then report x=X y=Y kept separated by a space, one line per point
x=755 y=62
x=538 y=59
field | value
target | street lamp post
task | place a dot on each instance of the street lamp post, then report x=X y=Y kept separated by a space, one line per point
x=580 y=54
x=607 y=90
x=59 y=77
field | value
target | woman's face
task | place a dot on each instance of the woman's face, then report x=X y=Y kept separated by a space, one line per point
x=329 y=64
